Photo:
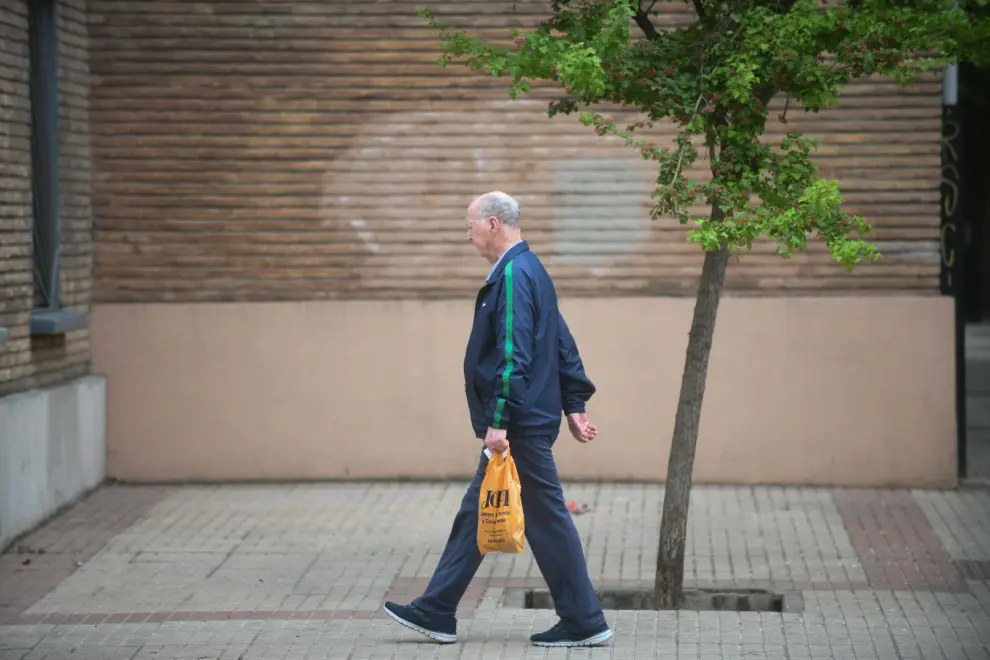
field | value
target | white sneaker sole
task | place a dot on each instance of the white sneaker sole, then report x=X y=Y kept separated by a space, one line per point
x=443 y=638
x=594 y=640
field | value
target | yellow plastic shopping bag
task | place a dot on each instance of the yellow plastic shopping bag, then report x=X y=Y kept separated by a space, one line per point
x=501 y=527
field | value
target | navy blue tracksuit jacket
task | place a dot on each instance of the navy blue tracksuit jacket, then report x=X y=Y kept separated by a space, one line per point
x=522 y=366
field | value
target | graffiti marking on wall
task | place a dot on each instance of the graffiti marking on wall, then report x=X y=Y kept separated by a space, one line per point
x=950 y=203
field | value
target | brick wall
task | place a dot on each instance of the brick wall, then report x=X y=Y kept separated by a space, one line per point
x=27 y=362
x=254 y=150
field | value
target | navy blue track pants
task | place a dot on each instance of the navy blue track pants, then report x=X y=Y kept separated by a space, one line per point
x=550 y=533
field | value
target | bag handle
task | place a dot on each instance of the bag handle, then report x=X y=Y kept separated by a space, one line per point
x=488 y=453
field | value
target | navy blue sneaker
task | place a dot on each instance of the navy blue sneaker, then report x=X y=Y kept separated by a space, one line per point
x=557 y=636
x=441 y=629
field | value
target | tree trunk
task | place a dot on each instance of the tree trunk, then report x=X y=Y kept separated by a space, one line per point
x=673 y=524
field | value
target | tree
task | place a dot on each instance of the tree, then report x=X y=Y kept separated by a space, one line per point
x=714 y=79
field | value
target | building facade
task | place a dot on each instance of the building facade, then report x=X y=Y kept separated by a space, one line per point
x=52 y=409
x=281 y=285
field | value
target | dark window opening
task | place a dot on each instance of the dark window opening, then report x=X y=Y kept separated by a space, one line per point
x=48 y=317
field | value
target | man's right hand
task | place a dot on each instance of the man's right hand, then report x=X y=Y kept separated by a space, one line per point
x=581 y=427
x=496 y=440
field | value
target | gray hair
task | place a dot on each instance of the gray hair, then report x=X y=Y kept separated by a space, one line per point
x=500 y=205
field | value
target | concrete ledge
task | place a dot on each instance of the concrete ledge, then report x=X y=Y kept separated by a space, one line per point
x=57 y=322
x=52 y=450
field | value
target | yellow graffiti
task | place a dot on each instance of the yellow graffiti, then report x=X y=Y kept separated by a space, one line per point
x=952 y=130
x=950 y=197
x=950 y=200
x=948 y=253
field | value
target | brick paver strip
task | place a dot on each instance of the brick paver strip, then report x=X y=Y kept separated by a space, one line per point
x=895 y=543
x=402 y=590
x=41 y=560
x=974 y=570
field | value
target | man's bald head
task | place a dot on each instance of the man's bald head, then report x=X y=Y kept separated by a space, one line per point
x=493 y=224
x=499 y=205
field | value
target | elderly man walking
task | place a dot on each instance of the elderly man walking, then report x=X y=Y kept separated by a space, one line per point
x=521 y=369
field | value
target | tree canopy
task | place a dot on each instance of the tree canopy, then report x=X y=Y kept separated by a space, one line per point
x=715 y=78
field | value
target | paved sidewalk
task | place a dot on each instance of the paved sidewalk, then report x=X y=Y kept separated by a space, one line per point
x=978 y=401
x=300 y=571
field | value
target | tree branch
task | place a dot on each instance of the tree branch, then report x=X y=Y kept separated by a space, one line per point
x=645 y=24
x=787 y=104
x=700 y=9
x=680 y=149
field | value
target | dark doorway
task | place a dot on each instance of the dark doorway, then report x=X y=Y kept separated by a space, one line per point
x=974 y=111
x=974 y=170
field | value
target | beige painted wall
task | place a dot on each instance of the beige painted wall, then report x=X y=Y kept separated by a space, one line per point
x=800 y=390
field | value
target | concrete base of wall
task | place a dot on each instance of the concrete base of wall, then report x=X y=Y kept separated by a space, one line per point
x=52 y=450
x=852 y=390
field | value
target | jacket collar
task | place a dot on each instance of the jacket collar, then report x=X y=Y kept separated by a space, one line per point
x=511 y=253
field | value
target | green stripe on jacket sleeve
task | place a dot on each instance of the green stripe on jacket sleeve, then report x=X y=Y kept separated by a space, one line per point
x=508 y=347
